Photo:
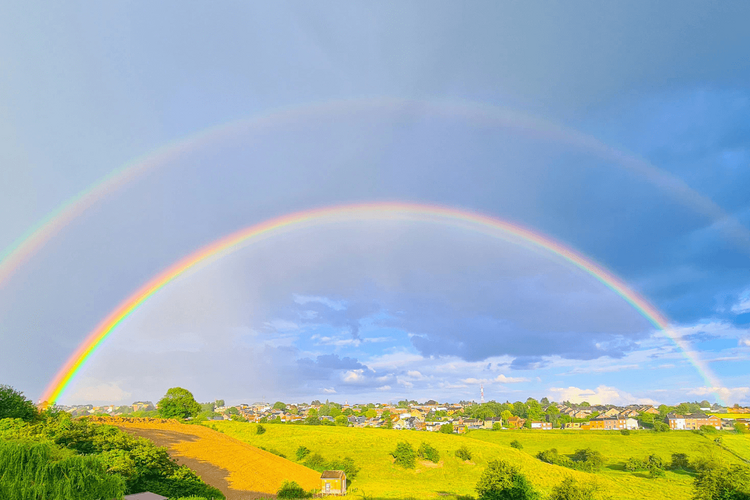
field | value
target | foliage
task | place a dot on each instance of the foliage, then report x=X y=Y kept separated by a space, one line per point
x=516 y=444
x=588 y=459
x=570 y=489
x=278 y=405
x=405 y=455
x=318 y=463
x=341 y=420
x=625 y=432
x=13 y=404
x=290 y=489
x=259 y=429
x=463 y=453
x=708 y=429
x=660 y=427
x=41 y=470
x=178 y=403
x=680 y=461
x=497 y=426
x=447 y=428
x=718 y=481
x=502 y=480
x=427 y=452
x=302 y=452
x=740 y=428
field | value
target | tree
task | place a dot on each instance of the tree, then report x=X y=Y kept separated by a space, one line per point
x=219 y=402
x=570 y=489
x=718 y=481
x=278 y=405
x=341 y=420
x=371 y=414
x=502 y=480
x=544 y=401
x=13 y=404
x=404 y=455
x=506 y=414
x=447 y=428
x=178 y=403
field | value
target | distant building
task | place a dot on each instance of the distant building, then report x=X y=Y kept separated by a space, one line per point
x=333 y=482
x=542 y=425
x=693 y=421
x=607 y=423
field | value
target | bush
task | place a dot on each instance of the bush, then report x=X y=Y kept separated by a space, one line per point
x=447 y=428
x=720 y=481
x=427 y=452
x=290 y=489
x=656 y=472
x=588 y=460
x=516 y=444
x=719 y=440
x=302 y=452
x=635 y=465
x=316 y=462
x=404 y=455
x=502 y=480
x=550 y=456
x=13 y=404
x=625 y=432
x=740 y=428
x=660 y=427
x=680 y=461
x=570 y=489
x=497 y=426
x=463 y=453
x=259 y=429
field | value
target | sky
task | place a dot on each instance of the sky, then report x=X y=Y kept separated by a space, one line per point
x=620 y=130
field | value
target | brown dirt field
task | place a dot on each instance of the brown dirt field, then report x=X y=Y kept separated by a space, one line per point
x=239 y=470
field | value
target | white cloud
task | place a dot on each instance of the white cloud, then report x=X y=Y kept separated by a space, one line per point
x=500 y=378
x=509 y=380
x=744 y=342
x=354 y=376
x=728 y=394
x=602 y=395
x=602 y=369
x=743 y=304
x=384 y=388
x=336 y=305
x=282 y=325
x=668 y=365
x=414 y=374
x=329 y=390
x=106 y=393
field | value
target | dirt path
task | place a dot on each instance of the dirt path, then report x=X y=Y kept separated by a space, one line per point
x=211 y=474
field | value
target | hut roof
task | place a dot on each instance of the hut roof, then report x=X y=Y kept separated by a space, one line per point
x=333 y=474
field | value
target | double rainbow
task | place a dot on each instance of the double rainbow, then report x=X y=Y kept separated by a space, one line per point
x=356 y=212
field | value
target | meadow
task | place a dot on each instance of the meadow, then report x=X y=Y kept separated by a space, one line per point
x=379 y=477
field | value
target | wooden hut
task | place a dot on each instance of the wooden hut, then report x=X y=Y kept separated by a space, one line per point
x=334 y=482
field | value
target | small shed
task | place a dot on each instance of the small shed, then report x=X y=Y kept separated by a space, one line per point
x=334 y=482
x=147 y=495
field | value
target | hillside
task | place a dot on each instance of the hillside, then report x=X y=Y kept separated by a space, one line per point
x=370 y=449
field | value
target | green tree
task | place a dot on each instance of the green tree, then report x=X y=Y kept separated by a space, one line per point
x=178 y=403
x=502 y=480
x=40 y=470
x=404 y=455
x=13 y=404
x=447 y=428
x=219 y=402
x=719 y=481
x=570 y=489
x=278 y=405
x=505 y=415
x=341 y=420
x=290 y=489
x=371 y=414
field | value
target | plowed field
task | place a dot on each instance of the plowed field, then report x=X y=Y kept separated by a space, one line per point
x=239 y=470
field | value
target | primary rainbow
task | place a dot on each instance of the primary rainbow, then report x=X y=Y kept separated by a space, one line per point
x=357 y=212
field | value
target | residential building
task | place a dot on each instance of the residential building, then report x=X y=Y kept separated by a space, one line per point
x=333 y=482
x=542 y=425
x=607 y=423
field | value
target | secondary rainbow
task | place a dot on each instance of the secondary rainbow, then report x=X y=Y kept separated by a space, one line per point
x=21 y=250
x=357 y=212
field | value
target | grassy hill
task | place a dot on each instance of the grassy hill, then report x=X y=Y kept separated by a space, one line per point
x=380 y=478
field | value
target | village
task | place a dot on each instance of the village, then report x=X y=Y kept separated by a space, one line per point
x=457 y=418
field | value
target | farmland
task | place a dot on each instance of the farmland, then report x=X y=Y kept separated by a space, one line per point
x=370 y=449
x=250 y=472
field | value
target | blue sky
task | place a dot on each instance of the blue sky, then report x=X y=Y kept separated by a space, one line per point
x=423 y=102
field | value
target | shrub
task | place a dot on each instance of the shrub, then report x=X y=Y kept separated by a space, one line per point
x=497 y=426
x=740 y=428
x=503 y=480
x=345 y=464
x=719 y=440
x=302 y=452
x=570 y=489
x=680 y=461
x=447 y=428
x=404 y=455
x=516 y=444
x=463 y=453
x=259 y=429
x=588 y=459
x=427 y=452
x=550 y=456
x=660 y=427
x=13 y=404
x=290 y=489
x=633 y=464
x=625 y=432
x=316 y=462
x=720 y=481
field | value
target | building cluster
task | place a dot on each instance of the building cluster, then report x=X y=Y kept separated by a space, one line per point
x=432 y=416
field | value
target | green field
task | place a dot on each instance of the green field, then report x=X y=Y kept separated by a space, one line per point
x=380 y=478
x=731 y=415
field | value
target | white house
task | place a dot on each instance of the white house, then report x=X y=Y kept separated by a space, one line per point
x=631 y=423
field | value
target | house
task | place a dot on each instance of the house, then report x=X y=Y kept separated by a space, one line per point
x=607 y=423
x=516 y=422
x=333 y=482
x=612 y=412
x=693 y=421
x=629 y=413
x=580 y=413
x=144 y=496
x=542 y=425
x=631 y=424
x=577 y=426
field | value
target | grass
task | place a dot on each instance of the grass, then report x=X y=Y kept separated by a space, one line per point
x=730 y=415
x=379 y=477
